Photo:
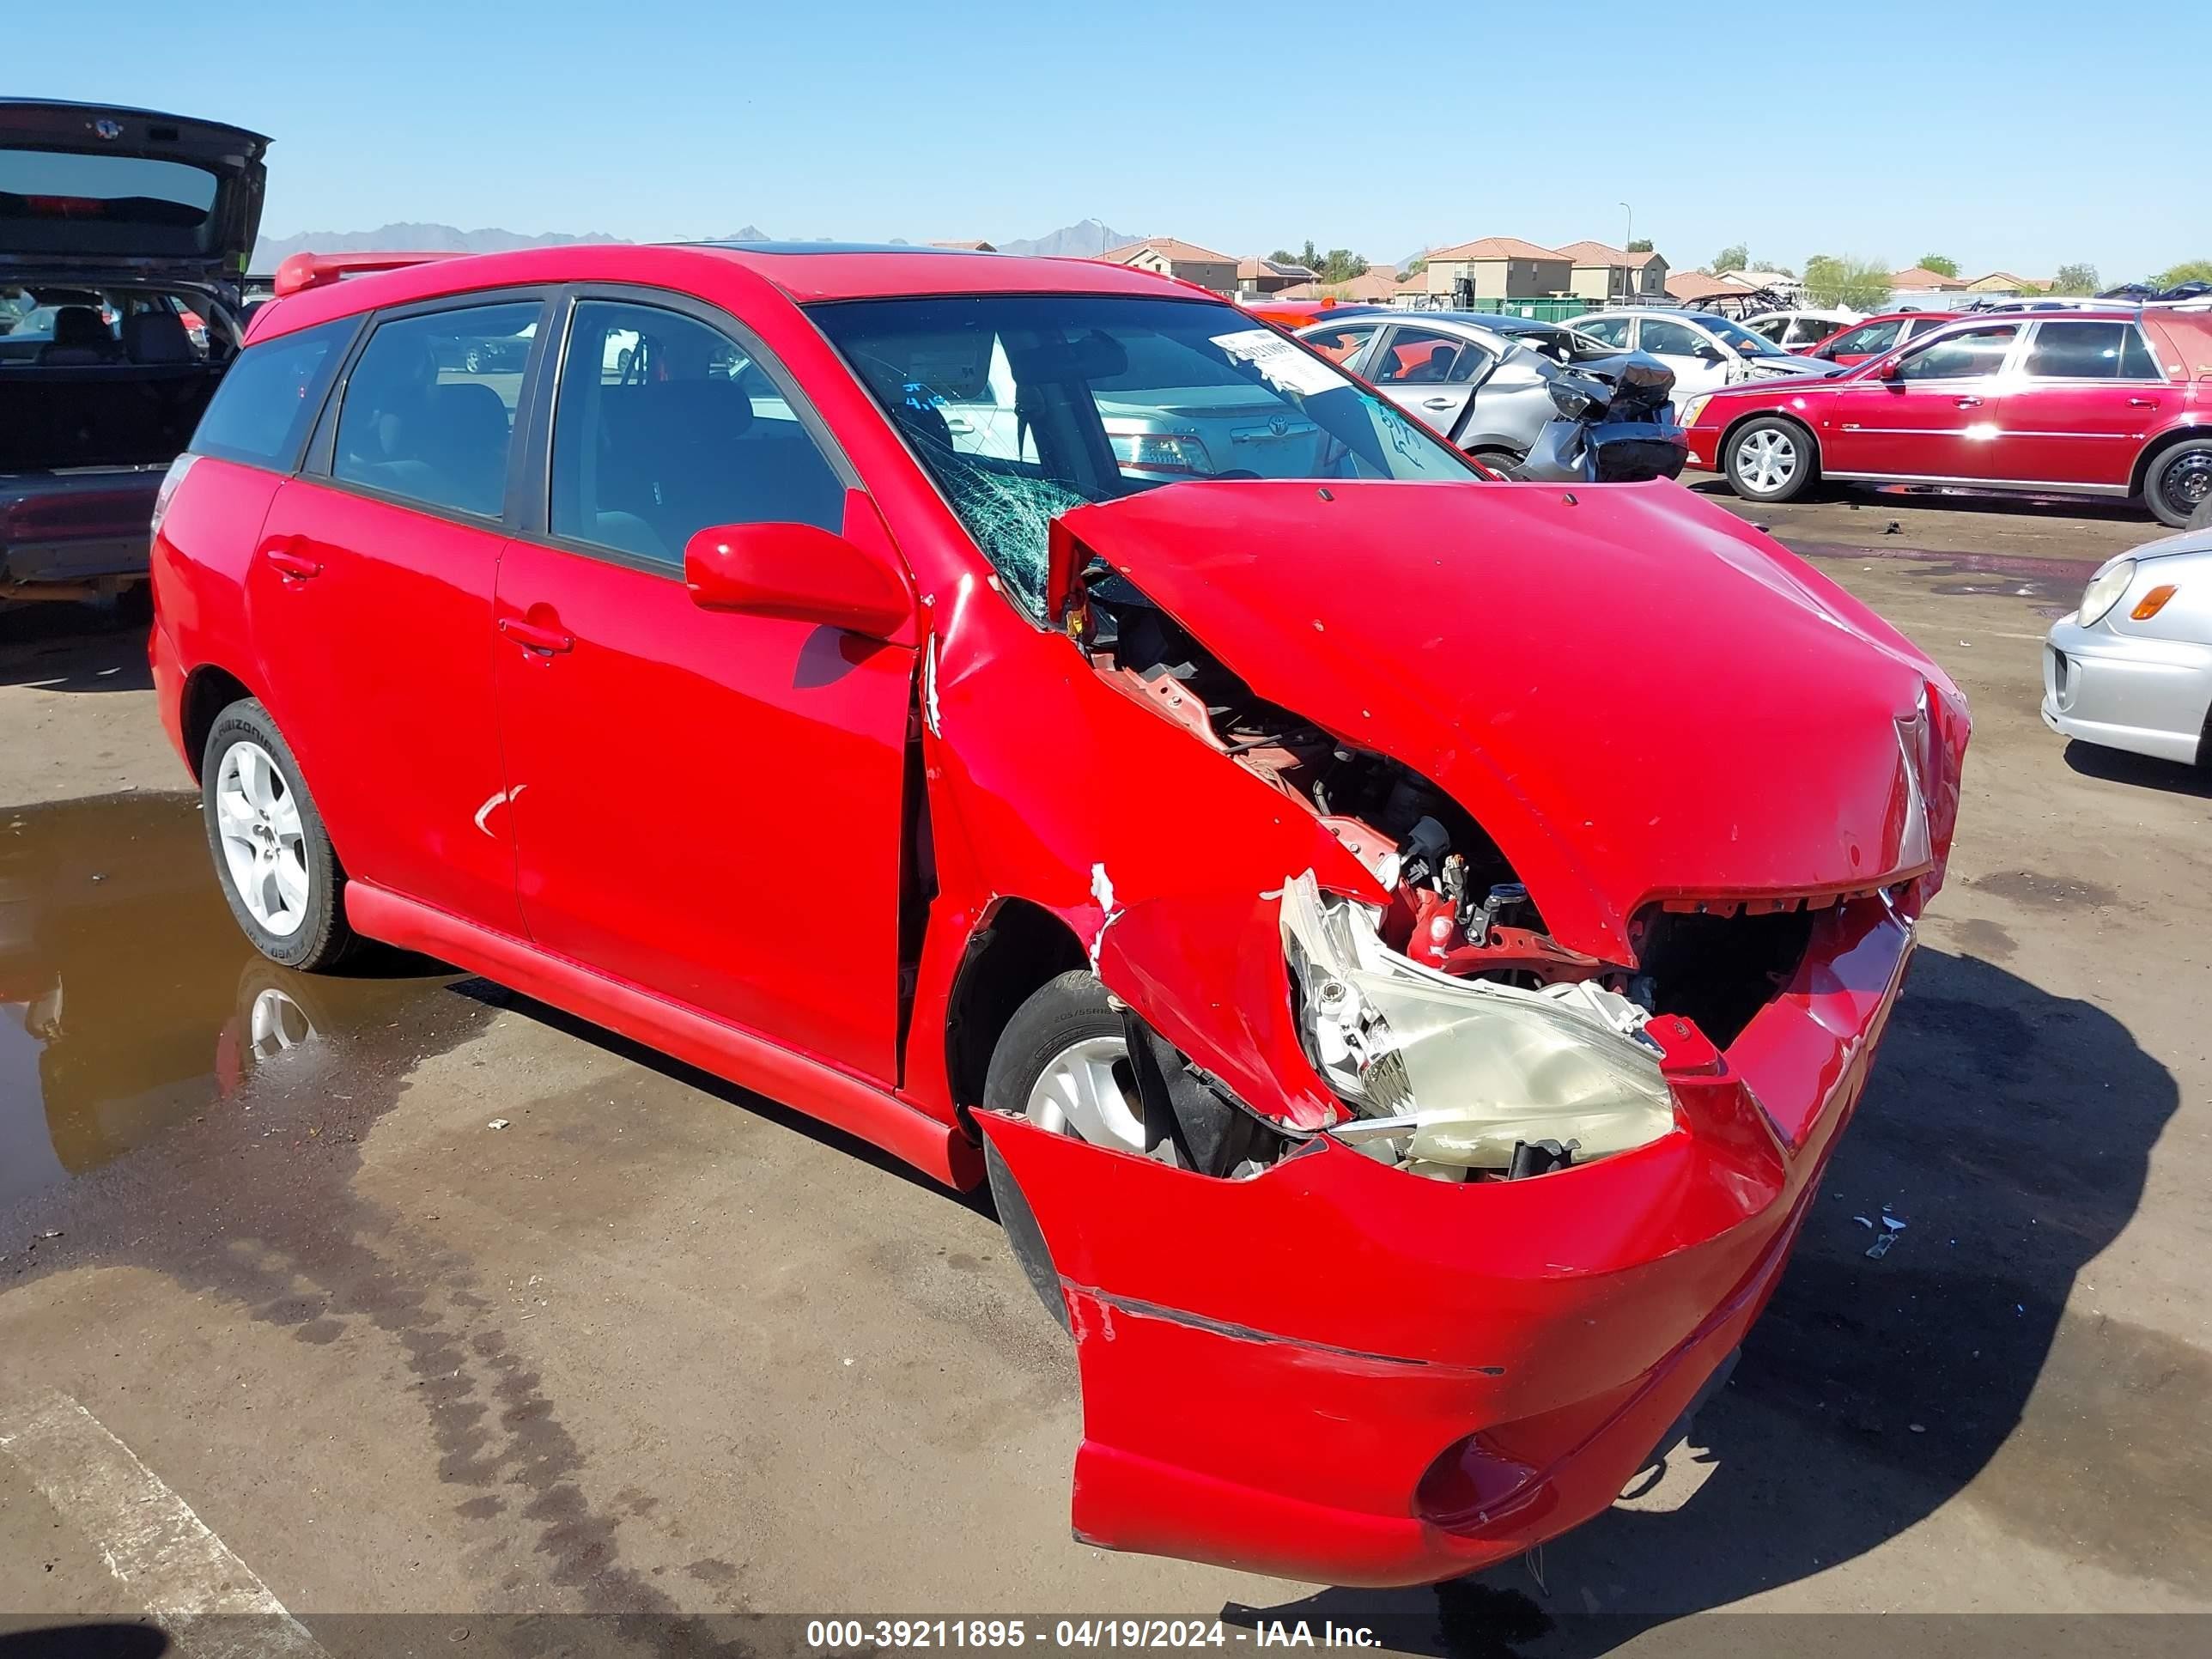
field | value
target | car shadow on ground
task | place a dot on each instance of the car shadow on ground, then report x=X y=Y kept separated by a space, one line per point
x=2011 y=1131
x=1913 y=499
x=58 y=646
x=2091 y=760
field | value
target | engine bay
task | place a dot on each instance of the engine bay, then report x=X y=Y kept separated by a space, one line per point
x=1372 y=984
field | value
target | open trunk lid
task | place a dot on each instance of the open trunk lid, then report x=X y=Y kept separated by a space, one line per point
x=87 y=189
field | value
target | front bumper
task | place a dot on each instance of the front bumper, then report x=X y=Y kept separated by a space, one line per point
x=2127 y=691
x=1336 y=1372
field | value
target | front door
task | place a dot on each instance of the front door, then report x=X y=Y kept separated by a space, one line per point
x=371 y=592
x=1698 y=364
x=2086 y=395
x=1938 y=418
x=706 y=804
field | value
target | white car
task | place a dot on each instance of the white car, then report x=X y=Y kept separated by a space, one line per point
x=1706 y=352
x=1796 y=331
x=2131 y=668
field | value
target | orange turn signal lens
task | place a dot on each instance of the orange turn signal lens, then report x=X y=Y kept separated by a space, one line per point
x=2152 y=602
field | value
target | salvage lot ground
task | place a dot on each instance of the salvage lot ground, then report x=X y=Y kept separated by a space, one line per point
x=655 y=1345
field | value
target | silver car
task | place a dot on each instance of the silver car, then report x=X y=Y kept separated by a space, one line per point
x=2132 y=667
x=1476 y=378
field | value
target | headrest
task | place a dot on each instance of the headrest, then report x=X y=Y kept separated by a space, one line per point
x=156 y=337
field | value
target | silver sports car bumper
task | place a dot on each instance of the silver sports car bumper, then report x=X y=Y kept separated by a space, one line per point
x=2125 y=691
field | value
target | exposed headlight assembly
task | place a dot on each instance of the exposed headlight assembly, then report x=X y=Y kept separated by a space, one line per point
x=1449 y=1074
x=2104 y=592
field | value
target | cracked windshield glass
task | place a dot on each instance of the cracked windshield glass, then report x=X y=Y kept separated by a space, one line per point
x=1023 y=406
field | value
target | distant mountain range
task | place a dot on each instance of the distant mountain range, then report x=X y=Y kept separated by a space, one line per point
x=271 y=250
x=1084 y=239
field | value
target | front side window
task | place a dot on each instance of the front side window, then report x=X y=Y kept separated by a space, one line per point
x=1021 y=406
x=267 y=400
x=429 y=415
x=1671 y=339
x=1867 y=339
x=1339 y=345
x=1423 y=357
x=665 y=427
x=1965 y=355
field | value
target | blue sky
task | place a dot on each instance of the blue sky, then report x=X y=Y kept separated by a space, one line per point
x=2014 y=136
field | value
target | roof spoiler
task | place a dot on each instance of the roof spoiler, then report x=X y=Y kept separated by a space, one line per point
x=305 y=270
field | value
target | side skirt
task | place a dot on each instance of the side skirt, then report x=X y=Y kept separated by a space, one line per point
x=937 y=1148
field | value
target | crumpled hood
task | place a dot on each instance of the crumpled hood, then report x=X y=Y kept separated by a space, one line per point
x=1638 y=695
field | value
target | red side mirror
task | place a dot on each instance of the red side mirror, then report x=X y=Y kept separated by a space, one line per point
x=1886 y=371
x=802 y=573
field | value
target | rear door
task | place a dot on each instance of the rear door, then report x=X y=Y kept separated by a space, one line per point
x=706 y=804
x=99 y=188
x=370 y=601
x=2086 y=396
x=1430 y=374
x=1939 y=418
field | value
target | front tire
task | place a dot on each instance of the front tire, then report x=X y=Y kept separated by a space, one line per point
x=1770 y=459
x=2179 y=485
x=272 y=855
x=1063 y=1063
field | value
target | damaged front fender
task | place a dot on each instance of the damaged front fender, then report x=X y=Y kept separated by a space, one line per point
x=1331 y=1371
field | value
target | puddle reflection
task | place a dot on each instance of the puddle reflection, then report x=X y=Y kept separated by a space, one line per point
x=129 y=999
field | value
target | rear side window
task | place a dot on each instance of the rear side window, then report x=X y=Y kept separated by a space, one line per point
x=428 y=413
x=665 y=427
x=261 y=412
x=2090 y=351
x=1420 y=356
x=1614 y=330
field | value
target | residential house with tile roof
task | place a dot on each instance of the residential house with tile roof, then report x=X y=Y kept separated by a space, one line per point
x=1172 y=257
x=1605 y=275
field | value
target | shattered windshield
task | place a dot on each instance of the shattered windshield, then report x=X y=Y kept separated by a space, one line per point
x=1023 y=406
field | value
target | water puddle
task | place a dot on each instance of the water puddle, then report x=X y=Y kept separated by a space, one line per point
x=130 y=1002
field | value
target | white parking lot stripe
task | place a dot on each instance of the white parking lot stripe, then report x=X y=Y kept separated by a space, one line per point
x=151 y=1539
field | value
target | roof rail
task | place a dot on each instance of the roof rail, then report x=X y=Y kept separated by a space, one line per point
x=305 y=270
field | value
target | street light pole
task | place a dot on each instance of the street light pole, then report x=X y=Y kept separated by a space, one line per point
x=1625 y=245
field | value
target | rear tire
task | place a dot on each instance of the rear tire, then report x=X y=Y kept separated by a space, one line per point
x=1769 y=459
x=2177 y=484
x=1500 y=461
x=272 y=855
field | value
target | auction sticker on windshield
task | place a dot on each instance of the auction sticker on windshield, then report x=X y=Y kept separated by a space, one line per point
x=1282 y=364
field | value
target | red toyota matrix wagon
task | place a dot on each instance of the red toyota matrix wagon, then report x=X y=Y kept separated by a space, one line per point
x=1036 y=716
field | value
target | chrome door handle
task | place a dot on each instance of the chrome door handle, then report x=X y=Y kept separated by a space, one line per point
x=1969 y=403
x=2142 y=403
x=1438 y=403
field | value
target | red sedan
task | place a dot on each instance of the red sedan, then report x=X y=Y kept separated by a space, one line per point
x=1856 y=343
x=2114 y=403
x=791 y=658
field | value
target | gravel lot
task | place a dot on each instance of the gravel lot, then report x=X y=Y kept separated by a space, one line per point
x=658 y=1347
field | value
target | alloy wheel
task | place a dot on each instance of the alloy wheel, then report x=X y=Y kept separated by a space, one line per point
x=264 y=843
x=1087 y=1090
x=1767 y=460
